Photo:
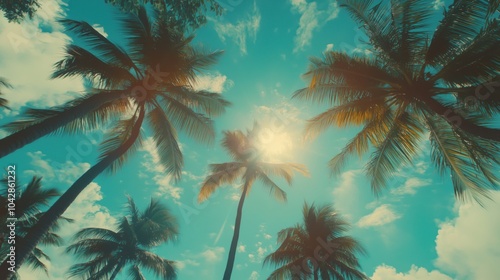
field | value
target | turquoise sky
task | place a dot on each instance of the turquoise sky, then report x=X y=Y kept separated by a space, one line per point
x=415 y=230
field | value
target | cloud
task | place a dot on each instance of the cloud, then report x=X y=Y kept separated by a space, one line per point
x=87 y=212
x=469 y=245
x=29 y=51
x=438 y=4
x=151 y=163
x=213 y=83
x=311 y=19
x=254 y=275
x=213 y=254
x=100 y=29
x=49 y=170
x=380 y=216
x=241 y=249
x=242 y=30
x=411 y=185
x=385 y=272
x=328 y=48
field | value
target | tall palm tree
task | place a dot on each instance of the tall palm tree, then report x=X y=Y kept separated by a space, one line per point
x=156 y=70
x=29 y=204
x=247 y=166
x=153 y=83
x=108 y=252
x=3 y=83
x=317 y=249
x=416 y=83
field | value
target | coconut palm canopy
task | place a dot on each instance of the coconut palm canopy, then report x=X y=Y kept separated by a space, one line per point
x=414 y=227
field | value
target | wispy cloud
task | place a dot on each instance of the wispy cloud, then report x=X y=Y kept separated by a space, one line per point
x=241 y=32
x=311 y=19
x=215 y=82
x=380 y=216
x=385 y=272
x=213 y=254
x=411 y=185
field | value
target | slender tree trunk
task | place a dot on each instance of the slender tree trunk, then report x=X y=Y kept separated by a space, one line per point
x=47 y=220
x=236 y=234
x=27 y=135
x=456 y=120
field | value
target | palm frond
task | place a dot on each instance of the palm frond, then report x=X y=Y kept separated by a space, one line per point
x=224 y=173
x=400 y=144
x=210 y=103
x=165 y=138
x=449 y=152
x=274 y=189
x=196 y=125
x=110 y=52
x=161 y=267
x=81 y=62
x=284 y=170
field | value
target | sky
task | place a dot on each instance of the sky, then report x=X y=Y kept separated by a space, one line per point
x=415 y=230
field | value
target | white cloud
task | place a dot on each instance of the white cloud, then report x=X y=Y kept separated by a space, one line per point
x=64 y=173
x=438 y=4
x=213 y=254
x=29 y=53
x=380 y=216
x=100 y=29
x=87 y=212
x=311 y=19
x=328 y=48
x=213 y=83
x=411 y=185
x=254 y=275
x=152 y=165
x=242 y=30
x=469 y=245
x=241 y=249
x=385 y=272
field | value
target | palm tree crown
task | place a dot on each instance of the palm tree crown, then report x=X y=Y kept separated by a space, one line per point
x=416 y=83
x=153 y=75
x=29 y=205
x=316 y=249
x=107 y=252
x=248 y=166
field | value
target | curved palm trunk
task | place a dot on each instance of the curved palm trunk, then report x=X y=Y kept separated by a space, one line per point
x=236 y=235
x=27 y=135
x=458 y=121
x=50 y=217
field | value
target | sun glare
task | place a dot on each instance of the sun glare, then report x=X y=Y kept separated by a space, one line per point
x=274 y=145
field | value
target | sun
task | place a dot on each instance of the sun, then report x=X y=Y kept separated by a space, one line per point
x=274 y=144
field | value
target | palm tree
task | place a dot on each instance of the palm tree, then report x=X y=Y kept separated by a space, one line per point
x=248 y=166
x=3 y=101
x=416 y=83
x=156 y=70
x=317 y=249
x=153 y=84
x=29 y=203
x=108 y=252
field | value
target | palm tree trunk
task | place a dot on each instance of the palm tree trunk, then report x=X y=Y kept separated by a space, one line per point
x=50 y=217
x=236 y=234
x=29 y=134
x=460 y=122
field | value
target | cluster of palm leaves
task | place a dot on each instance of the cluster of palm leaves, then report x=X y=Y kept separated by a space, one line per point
x=416 y=84
x=29 y=205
